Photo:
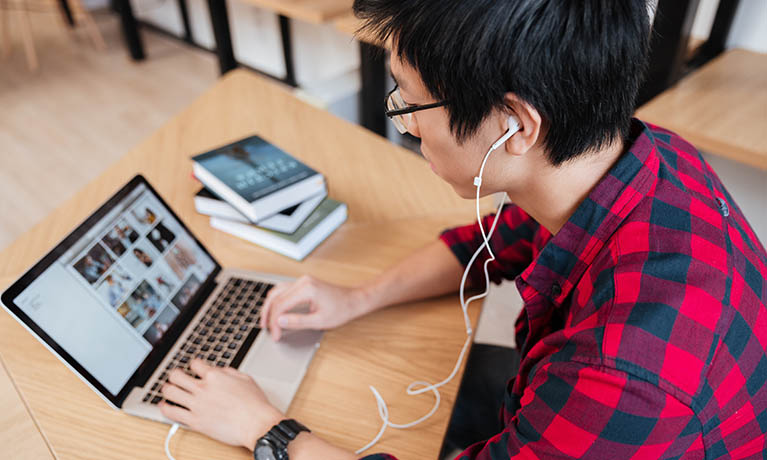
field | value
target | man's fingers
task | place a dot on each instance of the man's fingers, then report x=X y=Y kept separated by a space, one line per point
x=286 y=303
x=299 y=321
x=183 y=380
x=270 y=298
x=234 y=372
x=176 y=394
x=177 y=414
x=200 y=367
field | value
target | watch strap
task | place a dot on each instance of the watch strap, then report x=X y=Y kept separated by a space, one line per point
x=280 y=435
x=291 y=428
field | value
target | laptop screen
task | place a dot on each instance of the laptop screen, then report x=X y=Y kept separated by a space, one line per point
x=110 y=295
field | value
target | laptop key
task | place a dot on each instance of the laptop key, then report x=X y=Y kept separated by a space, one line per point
x=227 y=355
x=156 y=400
x=232 y=346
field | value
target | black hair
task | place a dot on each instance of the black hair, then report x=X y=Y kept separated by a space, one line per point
x=579 y=63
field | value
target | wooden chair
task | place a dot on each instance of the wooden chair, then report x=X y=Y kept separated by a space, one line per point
x=23 y=8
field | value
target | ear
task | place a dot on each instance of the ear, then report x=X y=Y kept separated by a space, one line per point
x=530 y=125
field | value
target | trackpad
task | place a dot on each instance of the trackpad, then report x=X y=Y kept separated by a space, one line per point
x=285 y=360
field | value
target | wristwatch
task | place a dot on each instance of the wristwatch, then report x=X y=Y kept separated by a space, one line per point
x=274 y=444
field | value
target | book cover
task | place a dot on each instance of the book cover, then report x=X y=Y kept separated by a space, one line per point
x=257 y=178
x=253 y=168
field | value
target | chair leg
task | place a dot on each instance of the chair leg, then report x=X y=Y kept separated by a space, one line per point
x=63 y=24
x=5 y=30
x=90 y=25
x=29 y=41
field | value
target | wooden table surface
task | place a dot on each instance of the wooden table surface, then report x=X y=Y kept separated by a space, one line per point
x=721 y=108
x=396 y=205
x=313 y=11
x=349 y=24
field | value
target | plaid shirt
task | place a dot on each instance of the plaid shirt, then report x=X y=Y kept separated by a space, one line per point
x=644 y=329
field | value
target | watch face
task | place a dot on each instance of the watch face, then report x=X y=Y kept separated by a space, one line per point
x=264 y=453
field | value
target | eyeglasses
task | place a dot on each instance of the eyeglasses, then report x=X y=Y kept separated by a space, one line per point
x=400 y=113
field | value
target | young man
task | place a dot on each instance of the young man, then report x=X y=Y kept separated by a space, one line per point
x=644 y=328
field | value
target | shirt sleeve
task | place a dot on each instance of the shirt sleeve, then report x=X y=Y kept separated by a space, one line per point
x=514 y=243
x=572 y=410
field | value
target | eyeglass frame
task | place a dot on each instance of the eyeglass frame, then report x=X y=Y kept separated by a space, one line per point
x=410 y=108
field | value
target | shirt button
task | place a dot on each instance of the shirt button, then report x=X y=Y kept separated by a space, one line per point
x=556 y=289
x=723 y=208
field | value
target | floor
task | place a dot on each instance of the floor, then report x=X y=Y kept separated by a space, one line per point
x=63 y=125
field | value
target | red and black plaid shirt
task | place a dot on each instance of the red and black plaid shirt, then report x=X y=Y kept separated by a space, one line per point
x=644 y=328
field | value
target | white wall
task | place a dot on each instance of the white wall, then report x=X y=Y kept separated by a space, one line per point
x=749 y=28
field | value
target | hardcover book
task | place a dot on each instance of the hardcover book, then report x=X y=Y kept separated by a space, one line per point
x=285 y=221
x=328 y=216
x=257 y=178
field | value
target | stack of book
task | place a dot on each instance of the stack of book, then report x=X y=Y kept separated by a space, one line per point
x=257 y=192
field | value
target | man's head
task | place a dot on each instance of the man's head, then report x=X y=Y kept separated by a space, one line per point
x=570 y=70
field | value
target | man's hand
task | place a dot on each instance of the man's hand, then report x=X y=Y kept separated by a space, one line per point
x=329 y=305
x=224 y=404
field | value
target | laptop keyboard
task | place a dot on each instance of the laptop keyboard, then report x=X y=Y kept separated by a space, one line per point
x=223 y=335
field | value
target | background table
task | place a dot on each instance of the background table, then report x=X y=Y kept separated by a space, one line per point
x=396 y=205
x=720 y=108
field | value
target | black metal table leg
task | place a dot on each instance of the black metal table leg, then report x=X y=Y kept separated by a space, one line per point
x=717 y=39
x=373 y=72
x=130 y=29
x=64 y=5
x=287 y=51
x=184 y=10
x=668 y=46
x=219 y=19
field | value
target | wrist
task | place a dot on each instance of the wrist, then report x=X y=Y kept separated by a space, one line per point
x=259 y=426
x=368 y=299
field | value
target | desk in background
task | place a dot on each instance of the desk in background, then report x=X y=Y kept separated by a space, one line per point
x=720 y=108
x=396 y=205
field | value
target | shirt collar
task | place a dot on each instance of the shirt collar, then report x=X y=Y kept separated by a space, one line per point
x=569 y=253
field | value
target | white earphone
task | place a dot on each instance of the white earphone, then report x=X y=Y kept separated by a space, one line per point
x=383 y=410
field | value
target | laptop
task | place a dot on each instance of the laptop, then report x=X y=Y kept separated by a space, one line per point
x=132 y=294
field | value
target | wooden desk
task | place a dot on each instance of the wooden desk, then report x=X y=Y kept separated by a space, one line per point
x=396 y=205
x=19 y=437
x=721 y=108
x=349 y=24
x=313 y=11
